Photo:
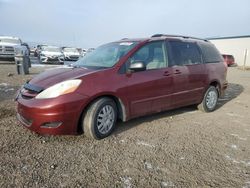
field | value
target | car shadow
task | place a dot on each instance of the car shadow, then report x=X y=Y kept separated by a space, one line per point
x=124 y=126
x=232 y=92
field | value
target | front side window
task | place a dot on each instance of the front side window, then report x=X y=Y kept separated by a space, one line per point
x=153 y=55
x=184 y=53
x=105 y=56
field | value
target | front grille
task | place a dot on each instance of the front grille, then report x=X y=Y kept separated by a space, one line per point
x=28 y=94
x=30 y=91
x=73 y=56
x=33 y=88
x=9 y=49
x=25 y=96
x=53 y=58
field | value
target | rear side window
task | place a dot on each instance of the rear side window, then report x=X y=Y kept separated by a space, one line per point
x=210 y=53
x=184 y=53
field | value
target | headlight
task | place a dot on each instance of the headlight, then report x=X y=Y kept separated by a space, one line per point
x=61 y=88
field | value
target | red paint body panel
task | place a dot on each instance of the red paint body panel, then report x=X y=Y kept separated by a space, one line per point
x=64 y=109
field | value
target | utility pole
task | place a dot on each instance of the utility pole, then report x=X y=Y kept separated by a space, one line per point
x=245 y=59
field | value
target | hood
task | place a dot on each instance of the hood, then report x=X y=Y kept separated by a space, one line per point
x=47 y=53
x=8 y=44
x=56 y=75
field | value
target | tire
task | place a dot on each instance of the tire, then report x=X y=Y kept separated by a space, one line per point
x=100 y=118
x=212 y=96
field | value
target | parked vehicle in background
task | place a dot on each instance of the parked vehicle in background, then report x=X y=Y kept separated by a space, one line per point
x=82 y=52
x=7 y=45
x=90 y=50
x=51 y=54
x=229 y=59
x=123 y=80
x=38 y=50
x=86 y=51
x=71 y=54
x=32 y=50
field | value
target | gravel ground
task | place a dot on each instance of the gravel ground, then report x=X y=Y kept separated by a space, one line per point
x=180 y=148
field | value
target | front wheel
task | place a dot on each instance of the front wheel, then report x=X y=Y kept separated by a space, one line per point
x=100 y=118
x=210 y=100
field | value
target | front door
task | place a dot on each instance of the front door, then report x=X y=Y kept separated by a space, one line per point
x=150 y=90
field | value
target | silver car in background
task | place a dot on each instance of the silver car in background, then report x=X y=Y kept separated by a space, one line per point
x=51 y=54
x=7 y=46
x=71 y=54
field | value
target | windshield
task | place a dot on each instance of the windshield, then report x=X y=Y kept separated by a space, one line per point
x=70 y=50
x=8 y=40
x=51 y=49
x=105 y=56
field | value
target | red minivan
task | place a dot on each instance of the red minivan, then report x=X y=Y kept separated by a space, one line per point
x=123 y=80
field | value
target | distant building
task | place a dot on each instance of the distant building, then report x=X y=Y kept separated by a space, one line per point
x=238 y=46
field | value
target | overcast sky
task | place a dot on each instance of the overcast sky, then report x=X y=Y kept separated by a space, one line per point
x=89 y=23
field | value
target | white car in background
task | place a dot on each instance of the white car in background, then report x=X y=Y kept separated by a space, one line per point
x=7 y=46
x=51 y=54
x=71 y=54
x=83 y=52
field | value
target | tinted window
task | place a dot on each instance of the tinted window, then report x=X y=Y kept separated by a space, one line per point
x=210 y=53
x=184 y=53
x=152 y=54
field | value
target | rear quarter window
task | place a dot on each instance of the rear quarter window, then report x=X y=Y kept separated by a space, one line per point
x=210 y=53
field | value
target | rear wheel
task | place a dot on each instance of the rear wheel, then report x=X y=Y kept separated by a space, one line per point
x=210 y=100
x=100 y=118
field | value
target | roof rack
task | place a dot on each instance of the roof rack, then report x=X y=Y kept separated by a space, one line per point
x=181 y=36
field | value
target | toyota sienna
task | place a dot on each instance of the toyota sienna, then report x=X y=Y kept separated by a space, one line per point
x=123 y=80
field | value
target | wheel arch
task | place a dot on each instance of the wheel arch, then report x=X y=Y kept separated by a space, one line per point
x=119 y=104
x=217 y=85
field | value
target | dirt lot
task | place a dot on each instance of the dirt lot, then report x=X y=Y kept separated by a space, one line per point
x=180 y=148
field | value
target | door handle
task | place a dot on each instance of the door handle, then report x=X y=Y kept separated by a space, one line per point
x=166 y=73
x=177 y=71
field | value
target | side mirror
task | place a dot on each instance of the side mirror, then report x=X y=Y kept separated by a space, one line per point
x=137 y=66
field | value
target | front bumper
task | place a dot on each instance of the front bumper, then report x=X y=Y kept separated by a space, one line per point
x=64 y=112
x=45 y=59
x=71 y=58
x=10 y=55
